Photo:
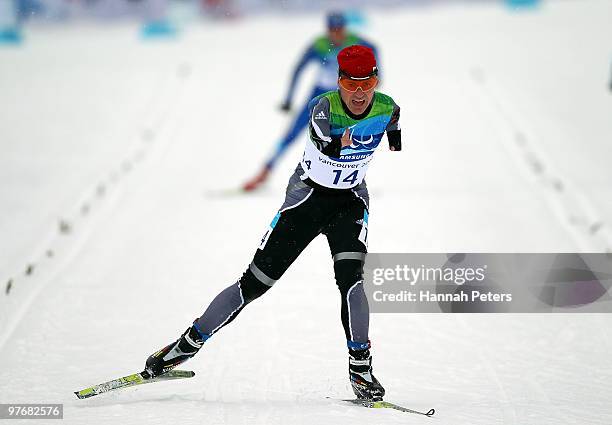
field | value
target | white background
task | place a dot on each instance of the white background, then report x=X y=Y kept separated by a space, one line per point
x=146 y=134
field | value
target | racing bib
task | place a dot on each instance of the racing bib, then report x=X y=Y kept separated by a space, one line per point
x=345 y=172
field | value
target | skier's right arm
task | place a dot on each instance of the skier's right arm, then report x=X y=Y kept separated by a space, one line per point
x=319 y=129
x=308 y=55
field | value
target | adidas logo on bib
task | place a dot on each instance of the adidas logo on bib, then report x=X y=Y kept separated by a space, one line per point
x=320 y=116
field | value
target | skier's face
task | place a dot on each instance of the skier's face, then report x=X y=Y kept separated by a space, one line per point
x=357 y=101
x=337 y=35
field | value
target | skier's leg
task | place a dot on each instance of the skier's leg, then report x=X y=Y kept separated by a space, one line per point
x=354 y=311
x=290 y=232
x=347 y=237
x=299 y=123
x=222 y=310
x=230 y=302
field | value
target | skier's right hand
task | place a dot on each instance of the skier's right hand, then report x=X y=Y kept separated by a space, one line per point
x=346 y=138
x=285 y=106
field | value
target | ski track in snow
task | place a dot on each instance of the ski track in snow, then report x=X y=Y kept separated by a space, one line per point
x=152 y=254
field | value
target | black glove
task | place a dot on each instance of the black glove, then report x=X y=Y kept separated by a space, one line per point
x=285 y=106
x=395 y=140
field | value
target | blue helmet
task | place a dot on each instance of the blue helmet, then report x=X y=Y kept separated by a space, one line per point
x=335 y=20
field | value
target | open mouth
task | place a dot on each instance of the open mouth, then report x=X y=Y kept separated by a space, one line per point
x=358 y=102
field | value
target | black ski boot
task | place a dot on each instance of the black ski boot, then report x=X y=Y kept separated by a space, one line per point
x=174 y=354
x=364 y=383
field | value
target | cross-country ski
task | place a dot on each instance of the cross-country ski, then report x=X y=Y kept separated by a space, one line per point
x=132 y=380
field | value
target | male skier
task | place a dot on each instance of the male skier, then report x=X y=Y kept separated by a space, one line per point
x=323 y=52
x=326 y=194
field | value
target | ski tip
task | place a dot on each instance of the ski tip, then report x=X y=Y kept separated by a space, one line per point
x=431 y=412
x=83 y=394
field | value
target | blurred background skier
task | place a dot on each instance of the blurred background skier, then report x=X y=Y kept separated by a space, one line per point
x=322 y=51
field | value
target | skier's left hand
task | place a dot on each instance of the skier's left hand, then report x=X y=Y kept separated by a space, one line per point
x=285 y=106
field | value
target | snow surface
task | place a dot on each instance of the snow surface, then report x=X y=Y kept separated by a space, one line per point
x=124 y=142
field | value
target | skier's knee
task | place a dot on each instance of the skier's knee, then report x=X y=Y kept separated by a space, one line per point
x=348 y=271
x=254 y=283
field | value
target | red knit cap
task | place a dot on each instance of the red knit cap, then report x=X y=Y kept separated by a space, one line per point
x=357 y=61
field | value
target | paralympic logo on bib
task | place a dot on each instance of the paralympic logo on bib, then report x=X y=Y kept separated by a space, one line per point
x=366 y=135
x=362 y=141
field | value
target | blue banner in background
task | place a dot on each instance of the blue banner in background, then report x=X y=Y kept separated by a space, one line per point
x=10 y=32
x=108 y=10
x=522 y=4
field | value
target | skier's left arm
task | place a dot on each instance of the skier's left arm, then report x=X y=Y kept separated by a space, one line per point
x=308 y=56
x=394 y=132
